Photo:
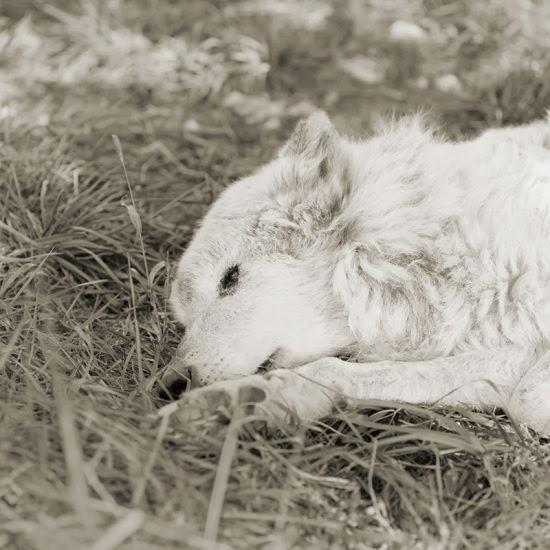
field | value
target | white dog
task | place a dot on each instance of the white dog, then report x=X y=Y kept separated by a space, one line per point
x=427 y=262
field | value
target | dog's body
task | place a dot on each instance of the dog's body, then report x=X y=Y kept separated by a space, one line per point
x=427 y=261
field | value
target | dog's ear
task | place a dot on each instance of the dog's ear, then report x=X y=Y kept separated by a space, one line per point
x=315 y=187
x=314 y=138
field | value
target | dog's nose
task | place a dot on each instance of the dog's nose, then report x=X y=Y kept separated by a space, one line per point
x=175 y=382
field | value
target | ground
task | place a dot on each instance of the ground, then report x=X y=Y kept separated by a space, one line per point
x=120 y=122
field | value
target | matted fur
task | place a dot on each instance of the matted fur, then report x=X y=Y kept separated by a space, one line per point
x=427 y=261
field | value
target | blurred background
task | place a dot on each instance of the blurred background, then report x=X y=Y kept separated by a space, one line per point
x=202 y=90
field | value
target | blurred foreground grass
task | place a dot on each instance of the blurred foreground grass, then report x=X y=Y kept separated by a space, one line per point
x=199 y=93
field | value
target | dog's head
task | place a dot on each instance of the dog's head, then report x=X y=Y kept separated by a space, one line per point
x=255 y=283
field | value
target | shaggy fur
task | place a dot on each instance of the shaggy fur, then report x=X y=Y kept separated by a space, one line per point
x=427 y=261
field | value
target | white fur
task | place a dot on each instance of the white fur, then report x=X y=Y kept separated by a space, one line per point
x=428 y=261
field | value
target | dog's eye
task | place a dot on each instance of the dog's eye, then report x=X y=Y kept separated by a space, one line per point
x=229 y=281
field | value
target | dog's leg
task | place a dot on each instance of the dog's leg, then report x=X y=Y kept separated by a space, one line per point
x=477 y=380
x=507 y=378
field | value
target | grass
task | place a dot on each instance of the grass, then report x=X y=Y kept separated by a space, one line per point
x=198 y=94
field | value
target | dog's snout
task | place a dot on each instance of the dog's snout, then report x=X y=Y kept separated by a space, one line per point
x=175 y=382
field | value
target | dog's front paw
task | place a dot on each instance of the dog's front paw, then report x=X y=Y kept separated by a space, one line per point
x=221 y=399
x=283 y=397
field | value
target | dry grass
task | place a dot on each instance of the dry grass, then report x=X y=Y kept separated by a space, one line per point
x=197 y=95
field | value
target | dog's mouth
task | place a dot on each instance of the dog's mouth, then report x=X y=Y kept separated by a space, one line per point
x=269 y=364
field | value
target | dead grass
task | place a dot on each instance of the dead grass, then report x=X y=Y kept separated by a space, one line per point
x=85 y=257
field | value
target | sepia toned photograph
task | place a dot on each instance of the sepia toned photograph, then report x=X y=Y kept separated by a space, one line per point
x=274 y=274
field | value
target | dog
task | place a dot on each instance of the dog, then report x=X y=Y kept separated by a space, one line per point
x=426 y=262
